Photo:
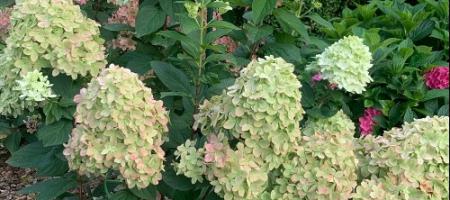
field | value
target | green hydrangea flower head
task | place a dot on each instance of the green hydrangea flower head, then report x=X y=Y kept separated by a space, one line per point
x=260 y=113
x=11 y=103
x=323 y=166
x=191 y=161
x=262 y=109
x=55 y=34
x=119 y=126
x=411 y=162
x=345 y=63
x=34 y=87
x=339 y=123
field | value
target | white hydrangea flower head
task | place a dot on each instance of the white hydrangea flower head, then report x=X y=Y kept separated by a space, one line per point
x=345 y=63
x=119 y=126
x=34 y=86
x=411 y=162
x=324 y=165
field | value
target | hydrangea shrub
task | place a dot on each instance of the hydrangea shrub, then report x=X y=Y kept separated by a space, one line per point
x=407 y=163
x=345 y=63
x=119 y=126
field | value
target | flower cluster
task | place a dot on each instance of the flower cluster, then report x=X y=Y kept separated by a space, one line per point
x=437 y=78
x=367 y=122
x=261 y=111
x=126 y=14
x=124 y=42
x=34 y=86
x=346 y=63
x=118 y=126
x=4 y=22
x=411 y=162
x=55 y=34
x=324 y=165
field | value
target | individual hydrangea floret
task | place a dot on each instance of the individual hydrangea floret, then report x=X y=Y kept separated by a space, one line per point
x=324 y=165
x=411 y=162
x=437 y=77
x=345 y=63
x=55 y=34
x=34 y=87
x=119 y=126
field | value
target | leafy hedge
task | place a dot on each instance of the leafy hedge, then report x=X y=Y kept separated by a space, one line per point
x=232 y=99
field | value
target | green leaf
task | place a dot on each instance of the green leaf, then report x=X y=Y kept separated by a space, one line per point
x=52 y=188
x=261 y=8
x=123 y=195
x=56 y=133
x=172 y=77
x=422 y=31
x=321 y=21
x=148 y=193
x=289 y=52
x=48 y=161
x=222 y=25
x=255 y=33
x=409 y=115
x=177 y=182
x=172 y=94
x=167 y=6
x=6 y=3
x=55 y=111
x=12 y=142
x=214 y=35
x=190 y=46
x=286 y=17
x=217 y=89
x=433 y=94
x=443 y=111
x=117 y=27
x=149 y=19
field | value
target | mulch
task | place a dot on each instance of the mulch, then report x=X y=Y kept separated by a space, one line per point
x=13 y=179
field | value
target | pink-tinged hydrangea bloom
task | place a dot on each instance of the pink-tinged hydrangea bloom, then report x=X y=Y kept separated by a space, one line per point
x=317 y=77
x=126 y=14
x=437 y=78
x=228 y=42
x=215 y=151
x=367 y=122
x=4 y=22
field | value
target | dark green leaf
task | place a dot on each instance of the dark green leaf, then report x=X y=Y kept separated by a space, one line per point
x=149 y=20
x=6 y=3
x=223 y=25
x=286 y=17
x=12 y=142
x=433 y=94
x=123 y=195
x=172 y=77
x=255 y=33
x=321 y=21
x=55 y=133
x=409 y=115
x=148 y=193
x=261 y=8
x=52 y=188
x=176 y=181
x=167 y=6
x=117 y=27
x=443 y=111
x=422 y=31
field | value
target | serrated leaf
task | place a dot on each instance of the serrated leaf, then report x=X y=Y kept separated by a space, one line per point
x=422 y=31
x=292 y=21
x=222 y=25
x=149 y=19
x=51 y=188
x=172 y=77
x=55 y=133
x=261 y=8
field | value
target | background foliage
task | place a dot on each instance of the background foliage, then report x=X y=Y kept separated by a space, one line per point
x=185 y=60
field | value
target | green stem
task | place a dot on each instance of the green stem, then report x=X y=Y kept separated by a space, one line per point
x=200 y=62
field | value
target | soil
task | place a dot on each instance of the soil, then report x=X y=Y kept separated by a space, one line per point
x=14 y=179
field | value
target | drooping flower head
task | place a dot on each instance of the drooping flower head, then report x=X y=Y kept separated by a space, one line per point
x=411 y=162
x=437 y=78
x=54 y=34
x=118 y=126
x=345 y=63
x=367 y=121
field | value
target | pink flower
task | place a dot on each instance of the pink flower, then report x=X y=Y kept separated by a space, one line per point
x=437 y=78
x=215 y=151
x=317 y=77
x=126 y=14
x=367 y=122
